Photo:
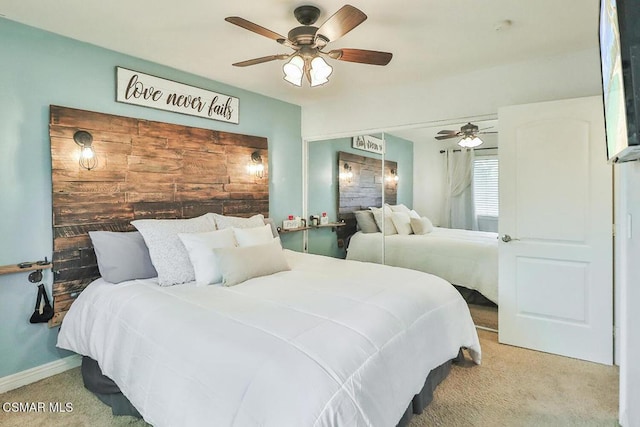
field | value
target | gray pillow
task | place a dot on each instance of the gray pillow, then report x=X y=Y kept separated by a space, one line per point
x=122 y=256
x=168 y=254
x=274 y=228
x=243 y=263
x=366 y=222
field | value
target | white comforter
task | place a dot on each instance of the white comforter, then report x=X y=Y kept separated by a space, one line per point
x=329 y=343
x=462 y=257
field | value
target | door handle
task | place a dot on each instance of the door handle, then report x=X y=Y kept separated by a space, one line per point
x=506 y=238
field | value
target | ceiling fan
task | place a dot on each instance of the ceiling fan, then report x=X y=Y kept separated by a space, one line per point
x=308 y=43
x=468 y=134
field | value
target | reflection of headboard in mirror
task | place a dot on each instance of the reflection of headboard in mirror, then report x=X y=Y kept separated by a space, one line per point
x=145 y=169
x=363 y=189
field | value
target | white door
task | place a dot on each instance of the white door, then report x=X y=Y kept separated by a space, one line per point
x=556 y=272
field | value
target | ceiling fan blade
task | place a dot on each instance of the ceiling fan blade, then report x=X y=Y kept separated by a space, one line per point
x=248 y=25
x=484 y=133
x=361 y=56
x=445 y=132
x=340 y=23
x=260 y=60
x=447 y=136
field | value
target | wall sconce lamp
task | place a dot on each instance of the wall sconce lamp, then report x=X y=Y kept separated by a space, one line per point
x=256 y=167
x=88 y=158
x=346 y=174
x=393 y=177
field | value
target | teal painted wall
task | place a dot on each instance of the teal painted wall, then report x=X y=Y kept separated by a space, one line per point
x=323 y=183
x=39 y=69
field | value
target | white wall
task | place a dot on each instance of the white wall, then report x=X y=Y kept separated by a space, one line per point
x=469 y=95
x=428 y=182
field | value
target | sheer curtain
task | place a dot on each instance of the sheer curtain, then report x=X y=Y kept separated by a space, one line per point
x=459 y=211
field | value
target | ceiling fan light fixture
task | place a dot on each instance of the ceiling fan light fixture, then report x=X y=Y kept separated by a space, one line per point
x=308 y=41
x=320 y=71
x=294 y=70
x=470 y=142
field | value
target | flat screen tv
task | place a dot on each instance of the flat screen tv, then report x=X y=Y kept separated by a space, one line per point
x=620 y=62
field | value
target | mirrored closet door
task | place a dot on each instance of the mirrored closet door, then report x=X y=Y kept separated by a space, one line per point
x=343 y=180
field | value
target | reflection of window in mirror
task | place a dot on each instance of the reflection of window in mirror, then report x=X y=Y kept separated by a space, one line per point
x=485 y=191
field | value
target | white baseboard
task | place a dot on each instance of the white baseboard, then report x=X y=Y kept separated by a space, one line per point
x=38 y=373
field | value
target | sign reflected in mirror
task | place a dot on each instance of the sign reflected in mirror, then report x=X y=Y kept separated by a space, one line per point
x=368 y=143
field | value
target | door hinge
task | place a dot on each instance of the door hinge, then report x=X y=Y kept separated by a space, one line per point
x=613 y=230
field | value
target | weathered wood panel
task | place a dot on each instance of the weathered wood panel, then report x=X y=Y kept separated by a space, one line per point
x=365 y=188
x=145 y=169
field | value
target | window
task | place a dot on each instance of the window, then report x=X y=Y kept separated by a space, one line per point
x=485 y=185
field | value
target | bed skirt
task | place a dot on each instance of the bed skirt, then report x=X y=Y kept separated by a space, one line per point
x=105 y=389
x=108 y=392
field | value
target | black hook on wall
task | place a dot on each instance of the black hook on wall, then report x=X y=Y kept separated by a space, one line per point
x=36 y=275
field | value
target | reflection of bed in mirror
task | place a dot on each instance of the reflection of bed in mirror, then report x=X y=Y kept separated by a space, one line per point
x=467 y=259
x=462 y=257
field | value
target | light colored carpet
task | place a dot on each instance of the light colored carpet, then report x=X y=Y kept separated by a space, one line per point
x=512 y=387
x=520 y=387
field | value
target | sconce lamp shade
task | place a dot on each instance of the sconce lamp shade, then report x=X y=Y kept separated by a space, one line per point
x=88 y=159
x=346 y=174
x=256 y=167
x=393 y=176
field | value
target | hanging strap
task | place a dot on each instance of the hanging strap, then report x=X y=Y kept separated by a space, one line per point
x=43 y=292
x=39 y=300
x=47 y=310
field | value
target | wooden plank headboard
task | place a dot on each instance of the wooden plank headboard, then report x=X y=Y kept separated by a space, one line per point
x=145 y=169
x=364 y=189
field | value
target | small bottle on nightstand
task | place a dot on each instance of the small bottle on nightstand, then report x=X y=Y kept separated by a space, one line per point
x=324 y=219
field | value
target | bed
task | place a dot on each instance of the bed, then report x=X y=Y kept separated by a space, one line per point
x=327 y=343
x=462 y=257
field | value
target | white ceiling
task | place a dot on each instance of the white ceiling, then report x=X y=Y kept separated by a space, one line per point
x=429 y=38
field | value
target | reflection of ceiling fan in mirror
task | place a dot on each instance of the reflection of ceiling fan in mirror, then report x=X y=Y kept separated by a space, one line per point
x=308 y=41
x=468 y=134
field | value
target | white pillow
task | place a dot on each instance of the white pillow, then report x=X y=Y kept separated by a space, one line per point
x=421 y=225
x=389 y=228
x=200 y=247
x=401 y=221
x=223 y=221
x=253 y=236
x=240 y=264
x=414 y=214
x=399 y=208
x=168 y=254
